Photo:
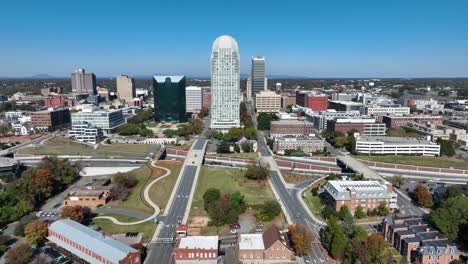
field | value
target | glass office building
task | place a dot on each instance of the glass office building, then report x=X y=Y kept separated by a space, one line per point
x=107 y=120
x=169 y=98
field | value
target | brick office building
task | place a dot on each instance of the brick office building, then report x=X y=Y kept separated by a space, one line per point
x=58 y=101
x=367 y=194
x=90 y=246
x=265 y=248
x=365 y=126
x=196 y=249
x=287 y=99
x=397 y=121
x=314 y=102
x=51 y=119
x=291 y=128
x=206 y=98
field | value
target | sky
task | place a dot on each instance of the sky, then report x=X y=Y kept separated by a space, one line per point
x=313 y=38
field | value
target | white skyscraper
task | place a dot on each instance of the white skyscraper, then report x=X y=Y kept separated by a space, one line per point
x=225 y=84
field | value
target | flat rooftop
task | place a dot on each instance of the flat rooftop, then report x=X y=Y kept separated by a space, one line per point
x=251 y=241
x=199 y=242
x=343 y=186
x=396 y=140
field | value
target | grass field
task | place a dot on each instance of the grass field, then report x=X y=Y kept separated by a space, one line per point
x=314 y=203
x=441 y=162
x=107 y=226
x=135 y=200
x=228 y=181
x=291 y=177
x=139 y=148
x=161 y=191
x=403 y=132
x=252 y=155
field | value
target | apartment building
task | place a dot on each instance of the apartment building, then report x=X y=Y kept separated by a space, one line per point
x=265 y=248
x=417 y=241
x=90 y=246
x=370 y=145
x=291 y=128
x=86 y=132
x=308 y=144
x=366 y=126
x=397 y=121
x=196 y=249
x=367 y=194
x=267 y=102
x=51 y=119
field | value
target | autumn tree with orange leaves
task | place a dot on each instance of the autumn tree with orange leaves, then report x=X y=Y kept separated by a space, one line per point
x=301 y=239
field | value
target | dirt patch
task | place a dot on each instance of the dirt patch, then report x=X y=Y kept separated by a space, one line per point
x=20 y=139
x=291 y=177
x=247 y=222
x=196 y=224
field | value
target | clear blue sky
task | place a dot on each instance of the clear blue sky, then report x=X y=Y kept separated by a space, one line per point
x=316 y=38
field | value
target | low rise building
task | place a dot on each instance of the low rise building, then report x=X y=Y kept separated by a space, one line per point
x=23 y=129
x=287 y=100
x=268 y=102
x=321 y=118
x=396 y=146
x=93 y=194
x=381 y=110
x=366 y=126
x=58 y=101
x=196 y=249
x=397 y=121
x=344 y=106
x=316 y=102
x=193 y=99
x=307 y=144
x=417 y=241
x=86 y=132
x=51 y=119
x=90 y=246
x=291 y=128
x=14 y=114
x=8 y=167
x=265 y=248
x=367 y=194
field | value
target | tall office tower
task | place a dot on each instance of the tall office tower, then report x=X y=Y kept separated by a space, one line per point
x=258 y=75
x=193 y=99
x=83 y=83
x=248 y=91
x=126 y=88
x=225 y=84
x=169 y=98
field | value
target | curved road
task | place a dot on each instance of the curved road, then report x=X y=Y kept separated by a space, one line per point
x=147 y=198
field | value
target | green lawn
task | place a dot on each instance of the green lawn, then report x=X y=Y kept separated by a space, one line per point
x=403 y=132
x=107 y=226
x=135 y=200
x=251 y=155
x=139 y=148
x=314 y=203
x=228 y=181
x=441 y=162
x=161 y=191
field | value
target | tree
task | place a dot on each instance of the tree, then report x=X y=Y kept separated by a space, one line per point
x=44 y=182
x=334 y=238
x=264 y=121
x=203 y=112
x=36 y=232
x=269 y=211
x=301 y=239
x=4 y=129
x=454 y=191
x=247 y=147
x=125 y=179
x=145 y=132
x=119 y=192
x=76 y=213
x=210 y=196
x=223 y=147
x=42 y=259
x=18 y=254
x=376 y=246
x=128 y=129
x=257 y=172
x=237 y=201
x=359 y=212
x=382 y=209
x=250 y=133
x=233 y=134
x=451 y=218
x=237 y=148
x=447 y=147
x=422 y=196
x=397 y=180
x=344 y=212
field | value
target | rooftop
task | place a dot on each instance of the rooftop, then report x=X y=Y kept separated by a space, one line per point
x=199 y=242
x=342 y=186
x=396 y=140
x=104 y=246
x=7 y=162
x=174 y=78
x=251 y=241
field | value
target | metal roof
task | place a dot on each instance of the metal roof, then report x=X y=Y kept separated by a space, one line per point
x=251 y=241
x=199 y=242
x=103 y=246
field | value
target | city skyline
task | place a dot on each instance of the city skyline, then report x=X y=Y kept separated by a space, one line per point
x=318 y=40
